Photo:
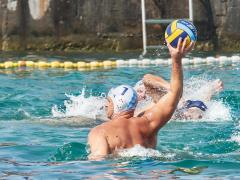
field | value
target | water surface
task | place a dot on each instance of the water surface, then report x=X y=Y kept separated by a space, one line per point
x=31 y=146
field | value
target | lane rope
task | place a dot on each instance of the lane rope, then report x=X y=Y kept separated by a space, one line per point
x=117 y=63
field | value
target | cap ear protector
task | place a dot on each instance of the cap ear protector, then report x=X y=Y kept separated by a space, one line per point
x=124 y=98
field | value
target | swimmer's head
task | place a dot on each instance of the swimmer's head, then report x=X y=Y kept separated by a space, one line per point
x=141 y=90
x=120 y=99
x=198 y=104
x=193 y=113
x=194 y=109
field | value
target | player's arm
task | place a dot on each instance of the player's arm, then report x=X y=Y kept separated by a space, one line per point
x=98 y=145
x=214 y=88
x=153 y=81
x=161 y=113
x=155 y=86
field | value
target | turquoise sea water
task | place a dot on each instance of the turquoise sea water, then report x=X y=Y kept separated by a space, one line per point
x=36 y=144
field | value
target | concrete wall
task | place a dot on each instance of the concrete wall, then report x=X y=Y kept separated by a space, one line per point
x=108 y=24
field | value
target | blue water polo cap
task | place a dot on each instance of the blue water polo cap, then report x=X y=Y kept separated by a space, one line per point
x=197 y=104
x=124 y=98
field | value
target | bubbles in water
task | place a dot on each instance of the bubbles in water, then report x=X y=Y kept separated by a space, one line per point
x=236 y=135
x=69 y=152
x=81 y=105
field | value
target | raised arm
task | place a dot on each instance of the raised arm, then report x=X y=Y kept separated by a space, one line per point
x=162 y=112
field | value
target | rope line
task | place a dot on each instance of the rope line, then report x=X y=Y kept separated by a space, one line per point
x=116 y=63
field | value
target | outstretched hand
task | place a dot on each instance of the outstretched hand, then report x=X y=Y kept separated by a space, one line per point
x=181 y=50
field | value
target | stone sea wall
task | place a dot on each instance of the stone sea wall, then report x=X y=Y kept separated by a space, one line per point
x=93 y=25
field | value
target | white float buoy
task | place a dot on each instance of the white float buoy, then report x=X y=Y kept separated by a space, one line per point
x=235 y=58
x=185 y=61
x=224 y=60
x=210 y=60
x=169 y=61
x=159 y=61
x=146 y=62
x=153 y=62
x=120 y=62
x=199 y=60
x=133 y=61
x=126 y=62
x=191 y=61
x=166 y=62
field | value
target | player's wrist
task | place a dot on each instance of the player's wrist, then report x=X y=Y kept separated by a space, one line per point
x=177 y=60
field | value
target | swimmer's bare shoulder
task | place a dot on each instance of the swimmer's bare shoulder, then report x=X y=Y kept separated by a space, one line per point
x=109 y=136
x=98 y=143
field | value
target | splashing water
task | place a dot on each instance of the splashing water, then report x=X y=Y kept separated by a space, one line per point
x=199 y=89
x=217 y=111
x=194 y=89
x=140 y=151
x=89 y=107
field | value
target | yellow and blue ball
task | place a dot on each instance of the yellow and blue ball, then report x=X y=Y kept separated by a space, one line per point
x=180 y=28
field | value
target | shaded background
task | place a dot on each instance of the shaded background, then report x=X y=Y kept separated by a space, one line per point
x=91 y=25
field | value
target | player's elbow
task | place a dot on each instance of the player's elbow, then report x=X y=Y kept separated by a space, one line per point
x=147 y=77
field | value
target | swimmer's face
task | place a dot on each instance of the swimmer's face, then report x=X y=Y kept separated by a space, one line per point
x=109 y=108
x=193 y=113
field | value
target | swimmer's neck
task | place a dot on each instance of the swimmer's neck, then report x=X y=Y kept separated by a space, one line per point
x=123 y=115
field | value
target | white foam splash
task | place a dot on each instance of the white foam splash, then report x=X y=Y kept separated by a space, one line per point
x=197 y=89
x=89 y=107
x=194 y=89
x=217 y=111
x=141 y=151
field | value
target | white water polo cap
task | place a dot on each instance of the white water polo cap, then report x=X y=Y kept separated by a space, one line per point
x=124 y=98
